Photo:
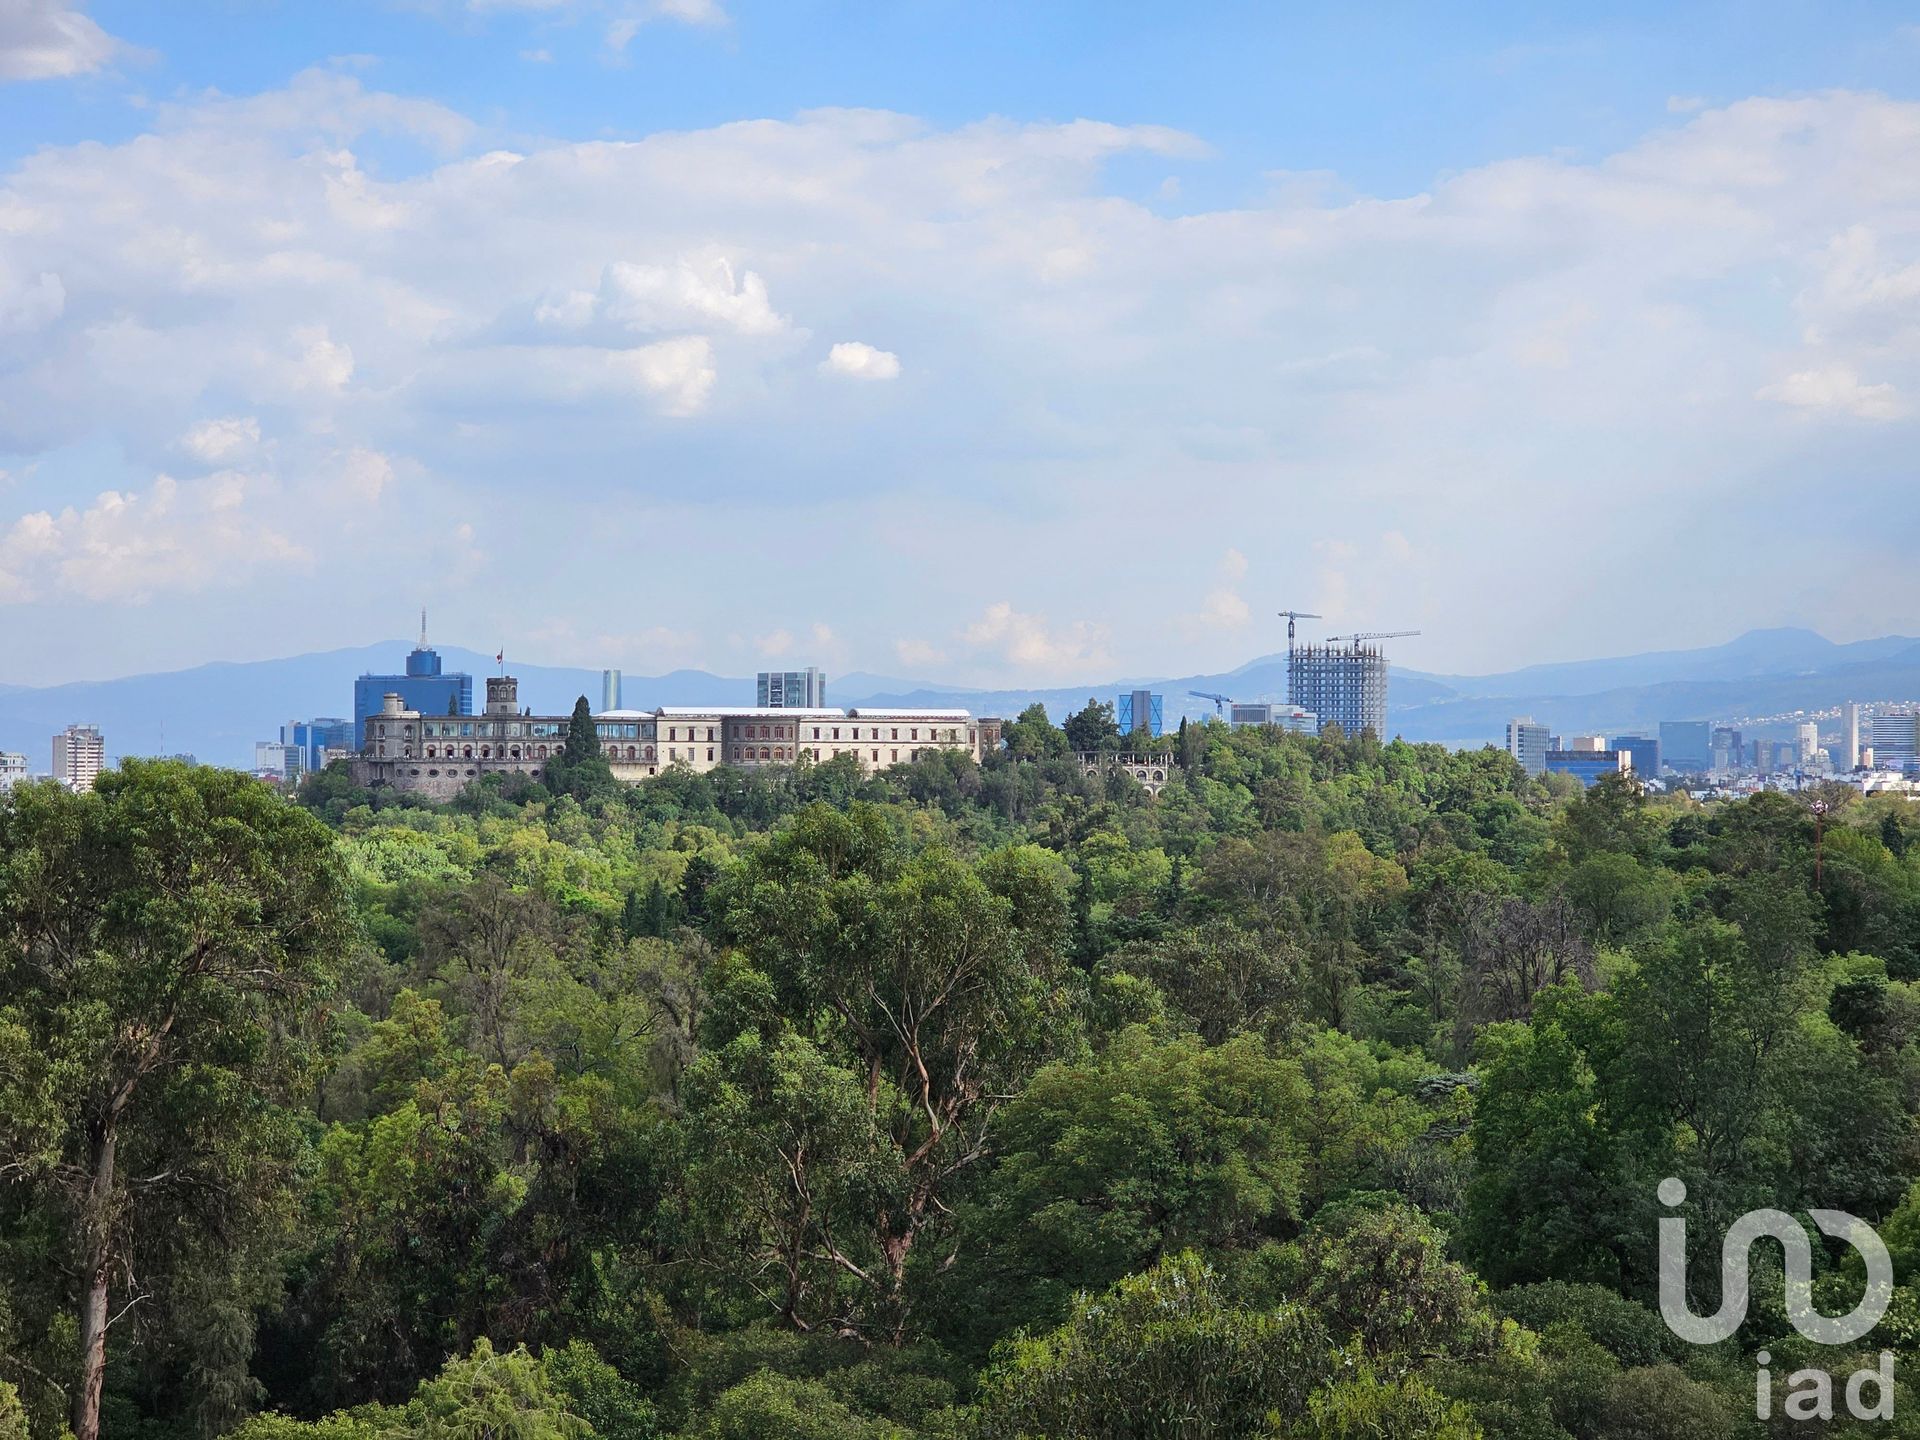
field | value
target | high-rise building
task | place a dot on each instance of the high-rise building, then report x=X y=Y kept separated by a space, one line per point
x=792 y=689
x=609 y=690
x=313 y=738
x=1344 y=684
x=13 y=770
x=1686 y=746
x=1587 y=766
x=425 y=687
x=1893 y=737
x=1528 y=743
x=1806 y=742
x=1642 y=751
x=1850 y=736
x=1139 y=710
x=78 y=753
x=285 y=762
x=1729 y=751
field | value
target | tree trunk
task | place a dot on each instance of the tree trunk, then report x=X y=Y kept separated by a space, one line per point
x=98 y=1239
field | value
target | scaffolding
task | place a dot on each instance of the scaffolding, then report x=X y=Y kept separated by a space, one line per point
x=1344 y=684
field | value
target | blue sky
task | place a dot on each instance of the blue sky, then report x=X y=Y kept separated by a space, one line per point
x=1004 y=343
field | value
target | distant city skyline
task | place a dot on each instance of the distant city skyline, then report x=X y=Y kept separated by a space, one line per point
x=999 y=342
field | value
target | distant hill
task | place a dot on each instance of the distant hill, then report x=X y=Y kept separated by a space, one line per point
x=217 y=711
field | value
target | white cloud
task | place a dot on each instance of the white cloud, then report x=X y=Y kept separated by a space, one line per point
x=1030 y=642
x=128 y=547
x=633 y=332
x=774 y=642
x=623 y=28
x=691 y=292
x=217 y=441
x=50 y=39
x=860 y=361
x=918 y=652
x=1837 y=388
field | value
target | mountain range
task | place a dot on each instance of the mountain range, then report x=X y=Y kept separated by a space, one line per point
x=217 y=711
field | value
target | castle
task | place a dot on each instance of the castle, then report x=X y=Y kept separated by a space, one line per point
x=438 y=755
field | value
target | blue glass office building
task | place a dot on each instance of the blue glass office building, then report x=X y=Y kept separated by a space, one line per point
x=1140 y=710
x=424 y=688
x=314 y=737
x=1586 y=766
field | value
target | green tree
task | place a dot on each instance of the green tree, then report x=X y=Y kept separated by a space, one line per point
x=1161 y=1354
x=162 y=943
x=580 y=769
x=1093 y=728
x=1105 y=1166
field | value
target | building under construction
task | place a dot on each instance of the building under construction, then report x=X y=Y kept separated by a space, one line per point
x=1345 y=684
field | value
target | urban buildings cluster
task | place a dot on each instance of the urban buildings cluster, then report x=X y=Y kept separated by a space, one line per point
x=1877 y=747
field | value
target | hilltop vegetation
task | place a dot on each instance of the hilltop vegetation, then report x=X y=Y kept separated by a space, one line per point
x=1323 y=1095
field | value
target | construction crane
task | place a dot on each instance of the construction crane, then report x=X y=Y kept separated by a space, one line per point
x=1220 y=702
x=1362 y=635
x=1293 y=615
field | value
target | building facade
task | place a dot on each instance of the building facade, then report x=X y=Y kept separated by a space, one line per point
x=1587 y=766
x=1643 y=754
x=1892 y=733
x=438 y=755
x=1345 y=685
x=1686 y=746
x=13 y=770
x=1850 y=736
x=79 y=751
x=1139 y=710
x=314 y=738
x=609 y=689
x=791 y=689
x=1263 y=712
x=425 y=687
x=285 y=763
x=1528 y=743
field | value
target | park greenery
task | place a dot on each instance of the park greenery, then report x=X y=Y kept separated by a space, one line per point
x=1323 y=1094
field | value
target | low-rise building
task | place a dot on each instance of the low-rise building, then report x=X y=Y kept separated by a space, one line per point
x=437 y=755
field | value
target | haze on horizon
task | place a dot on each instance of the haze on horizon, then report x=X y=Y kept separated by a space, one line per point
x=951 y=341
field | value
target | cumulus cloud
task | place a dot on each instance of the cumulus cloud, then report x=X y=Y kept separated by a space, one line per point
x=217 y=441
x=633 y=332
x=1031 y=642
x=859 y=361
x=918 y=652
x=127 y=547
x=1837 y=389
x=50 y=39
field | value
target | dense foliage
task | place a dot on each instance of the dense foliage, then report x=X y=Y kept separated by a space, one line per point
x=1322 y=1095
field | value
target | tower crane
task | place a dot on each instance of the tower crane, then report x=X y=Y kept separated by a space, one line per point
x=1220 y=702
x=1361 y=635
x=1293 y=615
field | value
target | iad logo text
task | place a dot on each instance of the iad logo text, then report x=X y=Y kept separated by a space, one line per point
x=1811 y=1394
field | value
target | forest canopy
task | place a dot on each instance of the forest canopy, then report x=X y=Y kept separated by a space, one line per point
x=1323 y=1094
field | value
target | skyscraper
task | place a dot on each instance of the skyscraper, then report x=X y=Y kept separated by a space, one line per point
x=609 y=690
x=1528 y=743
x=424 y=688
x=78 y=753
x=1686 y=746
x=1642 y=751
x=1344 y=684
x=1850 y=736
x=1894 y=733
x=792 y=689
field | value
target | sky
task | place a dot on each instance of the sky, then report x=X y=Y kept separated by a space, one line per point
x=986 y=343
